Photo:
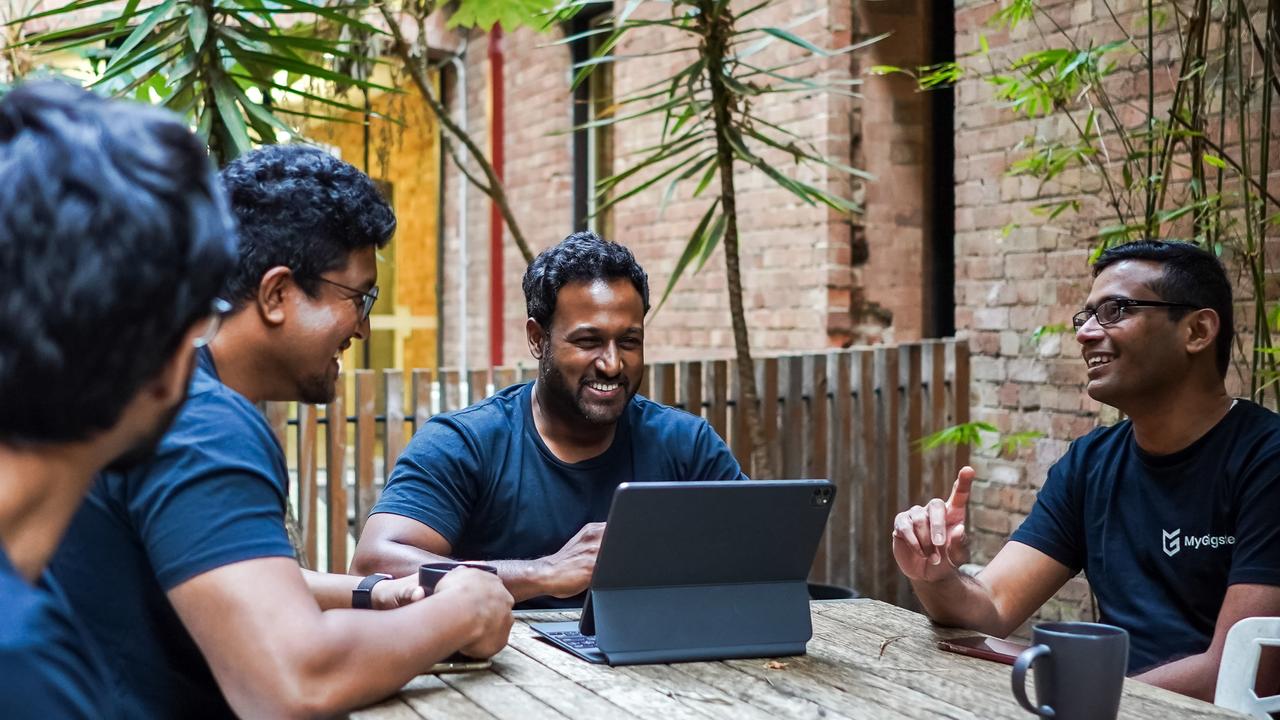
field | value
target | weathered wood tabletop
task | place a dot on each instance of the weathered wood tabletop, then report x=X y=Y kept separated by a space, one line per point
x=867 y=659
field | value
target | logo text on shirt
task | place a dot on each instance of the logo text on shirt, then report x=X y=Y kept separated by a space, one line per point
x=1172 y=541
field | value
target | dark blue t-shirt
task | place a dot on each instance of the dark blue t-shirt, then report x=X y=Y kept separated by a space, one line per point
x=214 y=495
x=49 y=666
x=1162 y=537
x=484 y=479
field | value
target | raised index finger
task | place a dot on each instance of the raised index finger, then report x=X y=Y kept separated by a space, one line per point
x=960 y=491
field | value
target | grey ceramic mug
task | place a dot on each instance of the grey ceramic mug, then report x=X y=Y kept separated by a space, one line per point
x=1079 y=669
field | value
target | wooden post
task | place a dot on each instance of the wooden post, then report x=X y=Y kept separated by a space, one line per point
x=936 y=371
x=960 y=390
x=393 y=443
x=816 y=443
x=769 y=411
x=718 y=409
x=308 y=486
x=791 y=370
x=690 y=387
x=335 y=478
x=908 y=458
x=866 y=466
x=366 y=440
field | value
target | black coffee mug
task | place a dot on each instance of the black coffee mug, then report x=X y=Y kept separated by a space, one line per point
x=1079 y=667
x=430 y=573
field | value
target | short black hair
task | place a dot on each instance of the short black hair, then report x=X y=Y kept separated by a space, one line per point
x=114 y=240
x=581 y=257
x=1192 y=275
x=300 y=207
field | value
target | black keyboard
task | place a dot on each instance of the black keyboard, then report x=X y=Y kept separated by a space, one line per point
x=574 y=639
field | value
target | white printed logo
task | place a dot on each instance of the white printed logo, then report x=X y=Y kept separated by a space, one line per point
x=1171 y=541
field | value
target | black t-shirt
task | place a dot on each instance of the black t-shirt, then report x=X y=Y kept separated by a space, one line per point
x=484 y=479
x=1161 y=537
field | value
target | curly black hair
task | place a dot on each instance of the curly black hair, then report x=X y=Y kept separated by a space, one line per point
x=114 y=240
x=583 y=256
x=1192 y=275
x=300 y=207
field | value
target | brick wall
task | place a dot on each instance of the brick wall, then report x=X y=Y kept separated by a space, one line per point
x=813 y=278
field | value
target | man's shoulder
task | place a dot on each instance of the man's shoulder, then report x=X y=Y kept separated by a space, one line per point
x=498 y=413
x=651 y=415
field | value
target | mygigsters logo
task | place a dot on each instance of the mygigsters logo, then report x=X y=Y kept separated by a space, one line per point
x=1174 y=541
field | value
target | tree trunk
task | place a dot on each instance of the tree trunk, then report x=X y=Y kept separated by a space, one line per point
x=718 y=27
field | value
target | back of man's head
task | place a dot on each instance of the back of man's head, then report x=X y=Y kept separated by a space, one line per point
x=1192 y=276
x=581 y=257
x=299 y=207
x=114 y=241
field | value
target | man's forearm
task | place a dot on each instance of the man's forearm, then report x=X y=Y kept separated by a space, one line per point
x=960 y=601
x=523 y=578
x=1195 y=676
x=331 y=590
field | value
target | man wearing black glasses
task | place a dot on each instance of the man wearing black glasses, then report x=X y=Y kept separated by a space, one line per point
x=1171 y=513
x=183 y=568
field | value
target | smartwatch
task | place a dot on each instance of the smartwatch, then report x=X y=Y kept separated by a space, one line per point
x=362 y=596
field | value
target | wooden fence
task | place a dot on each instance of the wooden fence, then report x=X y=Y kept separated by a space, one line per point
x=855 y=416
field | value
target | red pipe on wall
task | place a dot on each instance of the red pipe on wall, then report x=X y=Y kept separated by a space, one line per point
x=496 y=144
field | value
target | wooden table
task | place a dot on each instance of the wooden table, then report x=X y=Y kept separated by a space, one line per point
x=867 y=659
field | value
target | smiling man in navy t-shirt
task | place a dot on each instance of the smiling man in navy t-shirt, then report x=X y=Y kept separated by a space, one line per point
x=114 y=240
x=524 y=479
x=1172 y=513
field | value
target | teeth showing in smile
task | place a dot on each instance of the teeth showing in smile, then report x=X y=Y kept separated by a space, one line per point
x=604 y=387
x=1098 y=360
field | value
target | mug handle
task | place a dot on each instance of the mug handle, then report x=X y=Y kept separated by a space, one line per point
x=1024 y=661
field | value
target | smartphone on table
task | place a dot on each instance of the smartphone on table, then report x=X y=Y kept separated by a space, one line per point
x=987 y=648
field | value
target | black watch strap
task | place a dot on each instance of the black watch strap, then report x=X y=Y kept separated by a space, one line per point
x=362 y=596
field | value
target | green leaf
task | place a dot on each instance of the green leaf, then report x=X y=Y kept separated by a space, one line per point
x=796 y=40
x=141 y=32
x=1214 y=160
x=198 y=27
x=691 y=250
x=232 y=120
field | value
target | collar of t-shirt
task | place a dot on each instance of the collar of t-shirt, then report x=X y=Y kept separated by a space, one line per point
x=621 y=436
x=1177 y=458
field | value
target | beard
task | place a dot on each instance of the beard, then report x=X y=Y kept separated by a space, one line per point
x=317 y=389
x=567 y=398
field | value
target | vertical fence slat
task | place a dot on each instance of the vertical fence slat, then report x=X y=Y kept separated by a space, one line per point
x=477 y=385
x=690 y=387
x=792 y=431
x=664 y=383
x=366 y=443
x=907 y=459
x=885 y=478
x=422 y=410
x=867 y=479
x=718 y=408
x=936 y=364
x=739 y=438
x=769 y=415
x=840 y=537
x=504 y=378
x=278 y=419
x=815 y=388
x=451 y=397
x=335 y=479
x=393 y=439
x=960 y=391
x=308 y=488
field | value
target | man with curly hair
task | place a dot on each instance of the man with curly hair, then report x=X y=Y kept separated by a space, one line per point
x=205 y=609
x=524 y=479
x=114 y=240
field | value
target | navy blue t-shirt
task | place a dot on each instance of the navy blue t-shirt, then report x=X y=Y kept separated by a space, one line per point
x=1161 y=537
x=214 y=495
x=484 y=479
x=49 y=666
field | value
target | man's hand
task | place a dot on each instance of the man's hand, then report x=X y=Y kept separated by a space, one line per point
x=395 y=593
x=929 y=542
x=568 y=571
x=489 y=603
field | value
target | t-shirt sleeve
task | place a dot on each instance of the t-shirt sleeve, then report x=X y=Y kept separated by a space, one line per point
x=213 y=496
x=712 y=458
x=1055 y=525
x=1256 y=557
x=437 y=479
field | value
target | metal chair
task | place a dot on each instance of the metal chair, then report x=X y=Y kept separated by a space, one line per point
x=1238 y=672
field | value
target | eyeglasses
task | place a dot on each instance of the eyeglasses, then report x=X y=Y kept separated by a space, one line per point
x=219 y=308
x=366 y=298
x=1111 y=311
